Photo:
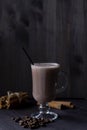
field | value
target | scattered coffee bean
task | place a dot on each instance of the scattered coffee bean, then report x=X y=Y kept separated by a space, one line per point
x=29 y=122
x=13 y=118
x=26 y=126
x=26 y=117
x=21 y=122
x=17 y=119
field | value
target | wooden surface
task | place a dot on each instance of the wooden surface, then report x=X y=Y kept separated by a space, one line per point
x=51 y=31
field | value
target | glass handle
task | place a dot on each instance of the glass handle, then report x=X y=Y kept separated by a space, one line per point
x=62 y=82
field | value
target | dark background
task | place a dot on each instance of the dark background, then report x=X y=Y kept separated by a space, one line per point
x=51 y=31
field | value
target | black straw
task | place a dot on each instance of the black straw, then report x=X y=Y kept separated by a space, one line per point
x=28 y=56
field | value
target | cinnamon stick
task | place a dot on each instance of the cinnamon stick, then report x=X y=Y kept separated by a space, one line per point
x=61 y=104
x=14 y=100
x=3 y=102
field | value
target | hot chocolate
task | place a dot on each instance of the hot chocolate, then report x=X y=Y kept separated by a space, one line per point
x=44 y=77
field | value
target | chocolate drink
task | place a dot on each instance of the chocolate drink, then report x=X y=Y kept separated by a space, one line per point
x=44 y=78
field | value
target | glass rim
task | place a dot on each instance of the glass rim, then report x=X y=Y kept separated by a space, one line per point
x=46 y=65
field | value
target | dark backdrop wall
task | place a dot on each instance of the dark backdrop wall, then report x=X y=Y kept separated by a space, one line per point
x=51 y=31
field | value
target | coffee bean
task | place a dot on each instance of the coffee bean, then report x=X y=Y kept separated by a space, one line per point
x=47 y=121
x=17 y=119
x=26 y=126
x=26 y=117
x=29 y=122
x=13 y=118
x=21 y=123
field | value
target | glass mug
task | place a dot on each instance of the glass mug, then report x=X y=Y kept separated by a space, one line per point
x=45 y=83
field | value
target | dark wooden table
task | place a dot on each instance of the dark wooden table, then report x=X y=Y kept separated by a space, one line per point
x=70 y=119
